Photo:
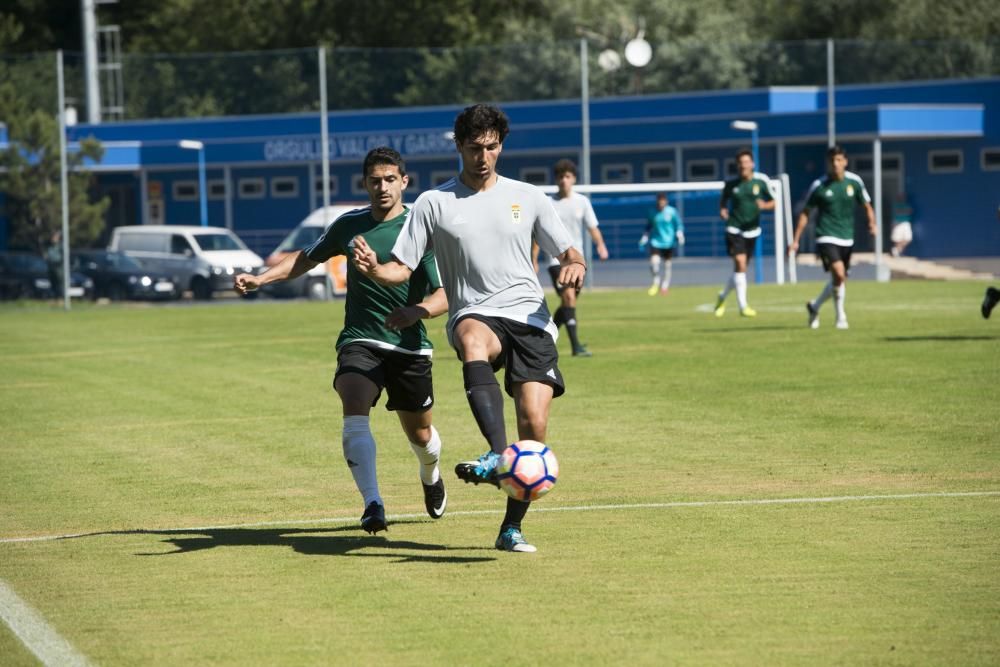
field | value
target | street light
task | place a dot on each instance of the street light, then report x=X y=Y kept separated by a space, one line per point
x=199 y=146
x=751 y=127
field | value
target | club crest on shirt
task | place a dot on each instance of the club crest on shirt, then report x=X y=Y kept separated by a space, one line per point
x=515 y=214
x=756 y=189
x=850 y=190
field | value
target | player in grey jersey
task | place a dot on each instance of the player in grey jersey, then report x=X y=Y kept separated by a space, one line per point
x=480 y=226
x=578 y=215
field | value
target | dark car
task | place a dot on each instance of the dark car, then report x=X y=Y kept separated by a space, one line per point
x=117 y=276
x=24 y=274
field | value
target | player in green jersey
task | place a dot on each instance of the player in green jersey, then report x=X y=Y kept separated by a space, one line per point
x=742 y=201
x=836 y=197
x=383 y=343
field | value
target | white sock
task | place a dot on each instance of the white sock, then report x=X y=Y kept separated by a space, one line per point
x=428 y=455
x=654 y=267
x=838 y=300
x=359 y=452
x=823 y=296
x=730 y=286
x=668 y=270
x=740 y=279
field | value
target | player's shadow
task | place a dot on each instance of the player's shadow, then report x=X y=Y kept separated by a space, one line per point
x=943 y=339
x=341 y=541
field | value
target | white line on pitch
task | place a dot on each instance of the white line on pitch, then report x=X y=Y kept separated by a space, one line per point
x=575 y=508
x=38 y=636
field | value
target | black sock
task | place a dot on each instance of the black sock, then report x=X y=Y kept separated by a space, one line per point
x=486 y=401
x=516 y=509
x=559 y=317
x=570 y=319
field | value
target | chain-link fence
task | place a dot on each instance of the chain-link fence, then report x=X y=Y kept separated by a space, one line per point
x=270 y=82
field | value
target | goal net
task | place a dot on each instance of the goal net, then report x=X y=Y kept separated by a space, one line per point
x=622 y=211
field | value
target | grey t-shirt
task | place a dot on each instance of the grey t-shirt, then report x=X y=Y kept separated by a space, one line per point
x=577 y=215
x=482 y=243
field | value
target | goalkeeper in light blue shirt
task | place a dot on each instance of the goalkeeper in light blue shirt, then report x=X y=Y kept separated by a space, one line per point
x=664 y=231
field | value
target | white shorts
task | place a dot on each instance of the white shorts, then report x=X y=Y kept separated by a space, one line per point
x=902 y=233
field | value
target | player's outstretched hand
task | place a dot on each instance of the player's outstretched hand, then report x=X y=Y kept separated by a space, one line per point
x=364 y=258
x=245 y=282
x=400 y=318
x=793 y=247
x=571 y=275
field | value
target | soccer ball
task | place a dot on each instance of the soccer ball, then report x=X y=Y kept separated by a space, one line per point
x=527 y=470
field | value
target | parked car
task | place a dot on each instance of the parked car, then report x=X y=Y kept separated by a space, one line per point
x=204 y=259
x=117 y=277
x=26 y=275
x=322 y=281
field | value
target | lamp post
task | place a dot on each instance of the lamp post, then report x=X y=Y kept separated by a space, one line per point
x=199 y=146
x=752 y=127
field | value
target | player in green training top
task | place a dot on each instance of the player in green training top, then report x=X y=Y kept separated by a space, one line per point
x=742 y=201
x=836 y=196
x=383 y=343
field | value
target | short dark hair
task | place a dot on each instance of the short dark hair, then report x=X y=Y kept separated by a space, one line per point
x=383 y=155
x=835 y=150
x=480 y=119
x=661 y=195
x=744 y=151
x=564 y=166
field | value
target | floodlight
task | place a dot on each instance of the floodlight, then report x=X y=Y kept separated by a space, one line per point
x=748 y=125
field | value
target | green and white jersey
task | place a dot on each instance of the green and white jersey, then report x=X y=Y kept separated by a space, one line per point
x=836 y=201
x=368 y=303
x=740 y=197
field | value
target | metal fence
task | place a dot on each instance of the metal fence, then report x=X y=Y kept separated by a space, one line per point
x=286 y=81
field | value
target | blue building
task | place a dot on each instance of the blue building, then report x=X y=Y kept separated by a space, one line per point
x=940 y=145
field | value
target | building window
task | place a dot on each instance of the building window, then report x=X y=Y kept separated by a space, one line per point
x=358 y=186
x=616 y=173
x=702 y=170
x=658 y=172
x=217 y=189
x=535 y=175
x=732 y=171
x=284 y=187
x=944 y=162
x=439 y=178
x=413 y=185
x=864 y=164
x=251 y=188
x=334 y=185
x=989 y=159
x=185 y=190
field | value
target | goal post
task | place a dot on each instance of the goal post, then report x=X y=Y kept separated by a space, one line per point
x=621 y=209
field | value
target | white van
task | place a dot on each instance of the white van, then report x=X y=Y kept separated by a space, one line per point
x=204 y=259
x=324 y=280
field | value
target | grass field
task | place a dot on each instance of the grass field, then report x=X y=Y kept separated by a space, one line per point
x=733 y=492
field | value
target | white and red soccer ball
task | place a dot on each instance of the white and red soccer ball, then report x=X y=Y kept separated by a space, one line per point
x=527 y=470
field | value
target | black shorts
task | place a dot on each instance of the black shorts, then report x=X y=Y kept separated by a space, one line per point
x=554 y=274
x=829 y=253
x=665 y=253
x=405 y=377
x=527 y=354
x=737 y=244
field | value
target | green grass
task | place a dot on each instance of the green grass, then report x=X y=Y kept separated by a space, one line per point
x=141 y=424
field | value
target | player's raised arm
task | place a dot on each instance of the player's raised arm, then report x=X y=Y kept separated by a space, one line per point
x=290 y=267
x=365 y=260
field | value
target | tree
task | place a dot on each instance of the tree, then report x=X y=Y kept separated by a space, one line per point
x=30 y=178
